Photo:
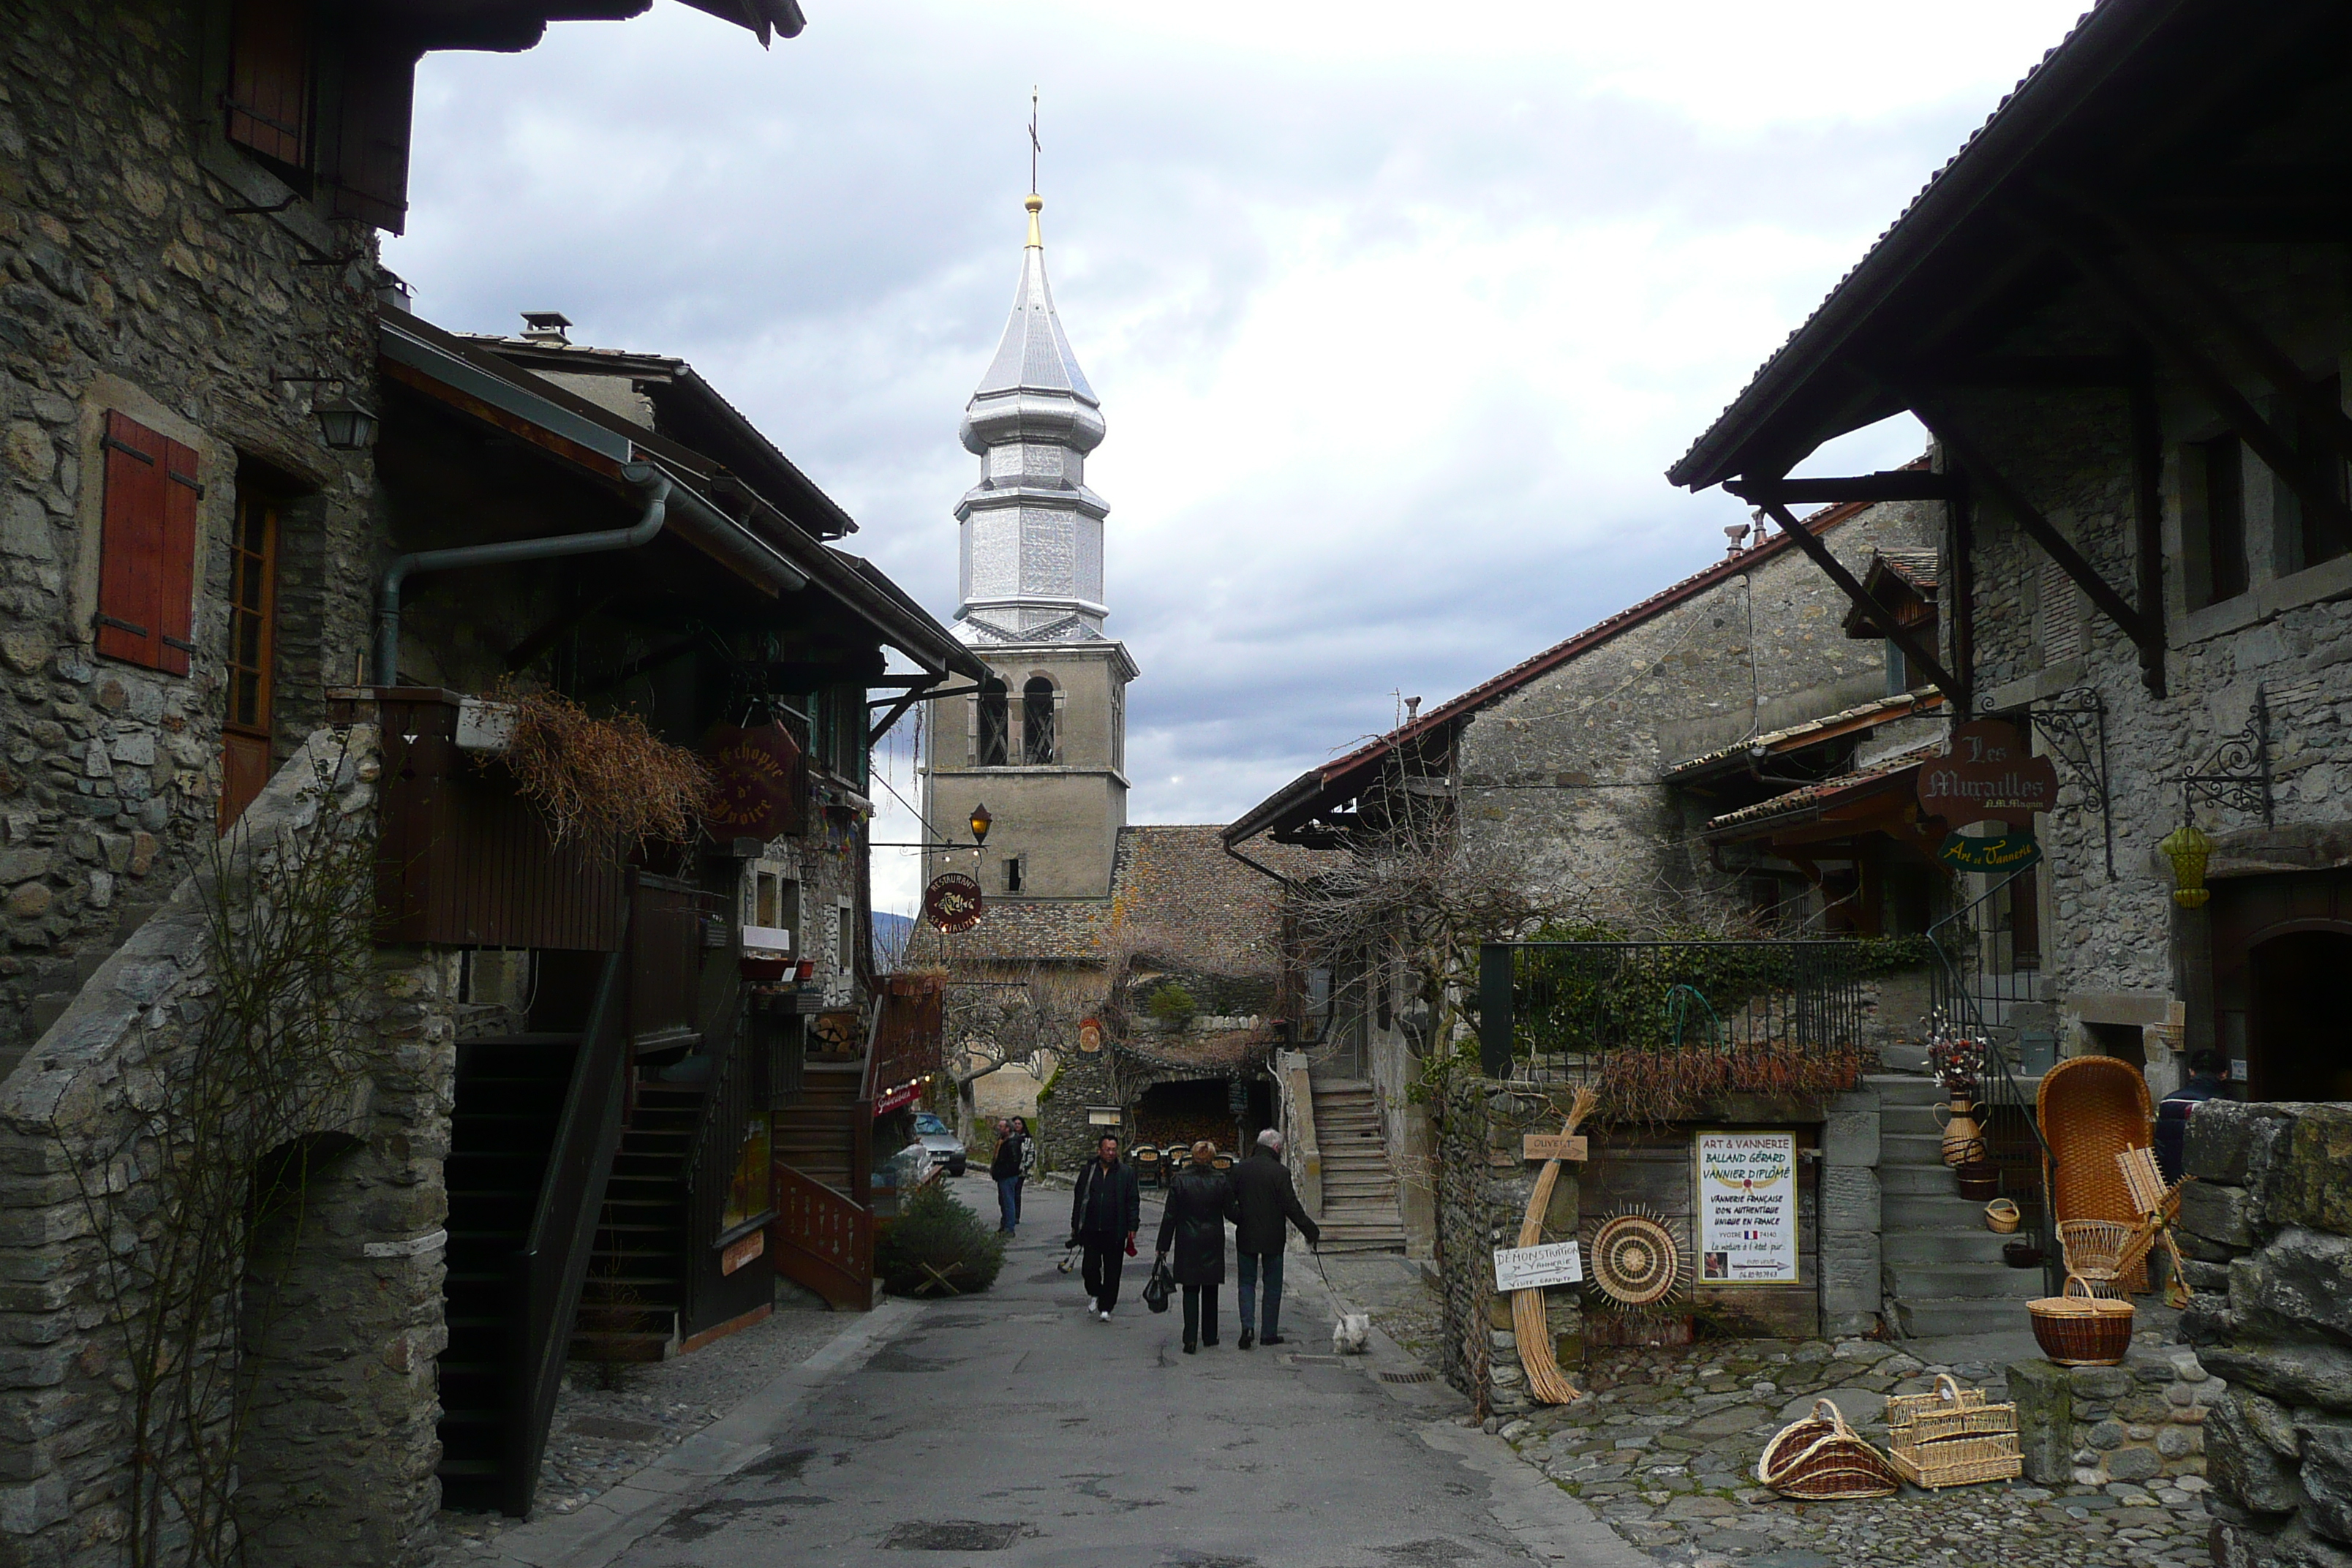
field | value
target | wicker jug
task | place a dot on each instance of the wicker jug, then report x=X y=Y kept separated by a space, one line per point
x=1963 y=1137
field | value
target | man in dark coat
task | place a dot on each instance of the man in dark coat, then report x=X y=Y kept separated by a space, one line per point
x=1008 y=1169
x=1200 y=1202
x=2208 y=1071
x=1104 y=1213
x=1264 y=1201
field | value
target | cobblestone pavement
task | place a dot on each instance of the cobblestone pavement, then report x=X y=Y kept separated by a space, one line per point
x=1665 y=1449
x=603 y=1435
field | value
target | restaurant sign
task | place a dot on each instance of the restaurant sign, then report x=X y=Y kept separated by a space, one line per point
x=756 y=783
x=953 y=903
x=1989 y=775
x=2001 y=852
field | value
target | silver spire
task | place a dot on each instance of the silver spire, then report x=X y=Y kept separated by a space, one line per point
x=1031 y=553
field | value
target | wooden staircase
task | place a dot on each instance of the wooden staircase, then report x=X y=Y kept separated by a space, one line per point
x=635 y=1291
x=509 y=1095
x=1359 y=1192
x=816 y=1134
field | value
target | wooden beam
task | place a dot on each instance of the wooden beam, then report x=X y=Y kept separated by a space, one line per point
x=914 y=694
x=1894 y=484
x=2087 y=371
x=2012 y=501
x=2147 y=524
x=1863 y=599
x=1961 y=515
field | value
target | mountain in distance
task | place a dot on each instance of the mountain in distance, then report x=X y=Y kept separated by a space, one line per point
x=890 y=935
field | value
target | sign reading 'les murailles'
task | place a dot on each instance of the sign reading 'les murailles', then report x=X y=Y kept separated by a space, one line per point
x=1533 y=1267
x=1748 y=1208
x=1989 y=775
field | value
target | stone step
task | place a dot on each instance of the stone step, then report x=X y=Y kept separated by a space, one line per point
x=1921 y=1319
x=1898 y=1119
x=1939 y=1213
x=1960 y=1281
x=1928 y=1180
x=1910 y=1148
x=1905 y=1088
x=1979 y=1247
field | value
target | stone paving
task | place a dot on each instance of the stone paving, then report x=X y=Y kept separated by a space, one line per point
x=603 y=1435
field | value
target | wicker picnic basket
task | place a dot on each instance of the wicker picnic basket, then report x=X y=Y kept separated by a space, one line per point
x=1952 y=1438
x=2082 y=1328
x=2001 y=1216
x=1819 y=1460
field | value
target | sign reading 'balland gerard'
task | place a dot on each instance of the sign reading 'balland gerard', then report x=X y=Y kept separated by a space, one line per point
x=1989 y=775
x=1747 y=1208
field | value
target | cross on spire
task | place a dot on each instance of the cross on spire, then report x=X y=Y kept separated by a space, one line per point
x=1034 y=147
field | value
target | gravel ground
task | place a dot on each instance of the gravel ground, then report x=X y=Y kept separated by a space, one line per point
x=601 y=1435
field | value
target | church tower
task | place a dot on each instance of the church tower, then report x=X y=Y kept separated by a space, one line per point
x=1044 y=744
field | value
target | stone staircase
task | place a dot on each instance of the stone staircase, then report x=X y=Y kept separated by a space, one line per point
x=1942 y=1267
x=1359 y=1192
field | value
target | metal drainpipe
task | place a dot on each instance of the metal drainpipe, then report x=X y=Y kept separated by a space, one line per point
x=653 y=483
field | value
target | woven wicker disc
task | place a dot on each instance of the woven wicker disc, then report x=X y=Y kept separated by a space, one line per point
x=1635 y=1259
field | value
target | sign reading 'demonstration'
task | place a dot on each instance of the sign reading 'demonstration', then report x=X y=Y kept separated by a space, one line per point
x=1748 y=1208
x=1533 y=1267
x=1989 y=775
x=2000 y=852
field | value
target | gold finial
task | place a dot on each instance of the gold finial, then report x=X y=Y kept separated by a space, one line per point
x=1035 y=204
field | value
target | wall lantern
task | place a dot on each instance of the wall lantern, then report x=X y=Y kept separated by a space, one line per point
x=981 y=822
x=346 y=425
x=2189 y=849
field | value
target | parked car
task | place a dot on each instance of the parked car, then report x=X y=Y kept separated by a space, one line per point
x=937 y=1137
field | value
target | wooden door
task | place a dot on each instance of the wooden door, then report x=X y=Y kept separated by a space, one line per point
x=246 y=752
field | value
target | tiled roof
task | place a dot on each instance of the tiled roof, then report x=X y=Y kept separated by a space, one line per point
x=1914 y=567
x=1814 y=799
x=1903 y=705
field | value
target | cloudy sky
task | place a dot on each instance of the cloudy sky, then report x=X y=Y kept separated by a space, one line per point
x=1397 y=312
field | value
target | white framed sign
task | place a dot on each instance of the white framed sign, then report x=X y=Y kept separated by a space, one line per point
x=1533 y=1267
x=1746 y=1203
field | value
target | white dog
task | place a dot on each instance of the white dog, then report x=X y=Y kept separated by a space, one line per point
x=1352 y=1334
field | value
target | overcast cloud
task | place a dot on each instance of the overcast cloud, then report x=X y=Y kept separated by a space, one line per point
x=1397 y=312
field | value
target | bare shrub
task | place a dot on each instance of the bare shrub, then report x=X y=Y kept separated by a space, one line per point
x=603 y=777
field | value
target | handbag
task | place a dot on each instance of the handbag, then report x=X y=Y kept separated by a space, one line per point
x=1162 y=1286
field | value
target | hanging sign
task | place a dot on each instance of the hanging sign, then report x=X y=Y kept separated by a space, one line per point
x=953 y=903
x=1090 y=1036
x=2001 y=852
x=1747 y=1208
x=758 y=783
x=1533 y=1267
x=1989 y=775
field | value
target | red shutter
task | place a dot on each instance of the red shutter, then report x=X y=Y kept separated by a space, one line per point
x=270 y=80
x=147 y=549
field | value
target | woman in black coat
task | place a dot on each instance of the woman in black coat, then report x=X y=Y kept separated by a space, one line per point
x=1200 y=1202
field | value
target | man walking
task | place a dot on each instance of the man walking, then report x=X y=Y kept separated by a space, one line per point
x=1265 y=1201
x=1104 y=1212
x=1008 y=1168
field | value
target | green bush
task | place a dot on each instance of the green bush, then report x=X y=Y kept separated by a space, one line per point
x=1172 y=1004
x=938 y=1248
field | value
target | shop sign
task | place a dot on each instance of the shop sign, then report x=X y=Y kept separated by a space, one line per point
x=1090 y=1036
x=1552 y=1146
x=2000 y=853
x=1533 y=1267
x=756 y=783
x=744 y=1252
x=953 y=903
x=1989 y=775
x=904 y=1094
x=1747 y=1208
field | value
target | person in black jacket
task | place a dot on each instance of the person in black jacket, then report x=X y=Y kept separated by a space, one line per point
x=2209 y=1070
x=1264 y=1201
x=1007 y=1168
x=1106 y=1211
x=1200 y=1202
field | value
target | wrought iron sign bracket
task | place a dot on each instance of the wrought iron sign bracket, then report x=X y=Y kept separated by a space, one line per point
x=2238 y=774
x=2074 y=725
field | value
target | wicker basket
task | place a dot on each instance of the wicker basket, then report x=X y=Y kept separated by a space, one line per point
x=2001 y=1216
x=1951 y=1437
x=1962 y=1461
x=1819 y=1460
x=1979 y=1179
x=2079 y=1328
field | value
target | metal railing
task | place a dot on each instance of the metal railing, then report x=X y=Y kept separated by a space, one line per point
x=1792 y=1016
x=553 y=1263
x=1975 y=993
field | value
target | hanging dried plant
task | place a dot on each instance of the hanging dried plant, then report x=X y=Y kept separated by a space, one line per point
x=600 y=776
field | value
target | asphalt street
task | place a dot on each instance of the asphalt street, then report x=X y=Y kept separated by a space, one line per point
x=1011 y=1429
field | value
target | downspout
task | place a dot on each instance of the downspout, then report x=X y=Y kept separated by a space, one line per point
x=646 y=479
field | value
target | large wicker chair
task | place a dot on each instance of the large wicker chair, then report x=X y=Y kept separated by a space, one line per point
x=2092 y=1109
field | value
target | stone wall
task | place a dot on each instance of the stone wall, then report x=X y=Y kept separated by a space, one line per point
x=2268 y=1223
x=125 y=285
x=1482 y=1192
x=338 y=1454
x=2142 y=1423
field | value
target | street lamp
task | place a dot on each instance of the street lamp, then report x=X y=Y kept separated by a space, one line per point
x=981 y=822
x=346 y=425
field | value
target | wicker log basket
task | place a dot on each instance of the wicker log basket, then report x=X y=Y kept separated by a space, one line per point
x=2081 y=1328
x=1820 y=1459
x=1952 y=1438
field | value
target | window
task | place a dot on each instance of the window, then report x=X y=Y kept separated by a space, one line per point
x=995 y=721
x=2225 y=519
x=848 y=938
x=330 y=108
x=270 y=81
x=1038 y=701
x=147 y=548
x=2310 y=537
x=1013 y=873
x=246 y=755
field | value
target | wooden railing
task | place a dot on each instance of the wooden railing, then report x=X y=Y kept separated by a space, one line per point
x=739 y=1091
x=553 y=1262
x=822 y=1240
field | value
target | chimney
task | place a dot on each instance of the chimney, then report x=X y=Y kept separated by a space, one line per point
x=545 y=327
x=1411 y=708
x=1735 y=534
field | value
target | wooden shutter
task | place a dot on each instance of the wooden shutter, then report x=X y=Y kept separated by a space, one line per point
x=370 y=162
x=2061 y=615
x=270 y=80
x=147 y=548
